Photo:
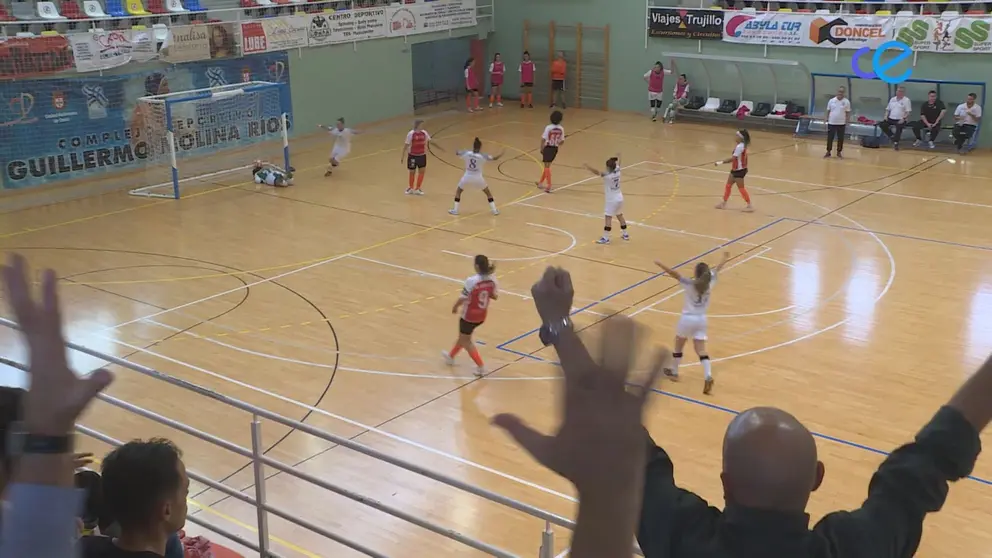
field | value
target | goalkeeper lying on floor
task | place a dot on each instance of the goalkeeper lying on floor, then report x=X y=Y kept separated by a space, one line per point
x=272 y=175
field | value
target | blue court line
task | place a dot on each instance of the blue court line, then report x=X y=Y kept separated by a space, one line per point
x=896 y=235
x=639 y=283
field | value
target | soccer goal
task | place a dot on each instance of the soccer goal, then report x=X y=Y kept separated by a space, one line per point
x=197 y=137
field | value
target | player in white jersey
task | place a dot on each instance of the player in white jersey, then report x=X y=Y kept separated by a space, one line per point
x=551 y=140
x=342 y=143
x=613 y=206
x=272 y=175
x=474 y=161
x=692 y=322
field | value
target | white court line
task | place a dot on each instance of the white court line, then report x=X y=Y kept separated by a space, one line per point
x=670 y=296
x=846 y=188
x=538 y=257
x=347 y=420
x=645 y=225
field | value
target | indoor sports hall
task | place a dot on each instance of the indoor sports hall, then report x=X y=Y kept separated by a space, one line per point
x=289 y=339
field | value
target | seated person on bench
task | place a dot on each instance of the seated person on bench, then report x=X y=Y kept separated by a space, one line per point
x=931 y=114
x=896 y=114
x=966 y=119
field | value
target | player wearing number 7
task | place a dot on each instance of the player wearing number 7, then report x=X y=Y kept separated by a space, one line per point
x=474 y=161
x=474 y=305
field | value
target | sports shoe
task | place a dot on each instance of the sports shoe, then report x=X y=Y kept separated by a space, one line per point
x=447 y=358
x=480 y=371
x=453 y=211
x=499 y=104
x=603 y=240
x=418 y=192
x=930 y=145
x=490 y=105
x=625 y=236
x=708 y=386
x=408 y=191
x=495 y=212
x=671 y=374
x=826 y=155
x=917 y=143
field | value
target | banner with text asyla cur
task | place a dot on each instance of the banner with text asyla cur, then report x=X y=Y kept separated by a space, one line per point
x=63 y=129
x=807 y=30
x=965 y=35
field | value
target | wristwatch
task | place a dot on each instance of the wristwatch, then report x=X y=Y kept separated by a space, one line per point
x=551 y=331
x=20 y=442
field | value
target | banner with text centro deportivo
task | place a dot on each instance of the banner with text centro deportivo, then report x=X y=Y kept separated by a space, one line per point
x=439 y=15
x=807 y=30
x=63 y=129
x=347 y=26
x=950 y=35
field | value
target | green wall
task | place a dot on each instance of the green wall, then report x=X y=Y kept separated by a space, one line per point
x=629 y=59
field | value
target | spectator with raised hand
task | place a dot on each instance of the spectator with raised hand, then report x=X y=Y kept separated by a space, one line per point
x=599 y=445
x=40 y=519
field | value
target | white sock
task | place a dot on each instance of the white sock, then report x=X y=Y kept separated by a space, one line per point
x=456 y=205
x=705 y=361
x=654 y=111
x=492 y=205
x=677 y=358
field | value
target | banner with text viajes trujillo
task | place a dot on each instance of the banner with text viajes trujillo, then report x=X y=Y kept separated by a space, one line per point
x=678 y=23
x=59 y=129
x=807 y=30
x=950 y=35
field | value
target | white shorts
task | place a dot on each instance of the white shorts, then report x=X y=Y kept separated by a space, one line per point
x=474 y=180
x=339 y=153
x=691 y=326
x=652 y=96
x=270 y=179
x=613 y=208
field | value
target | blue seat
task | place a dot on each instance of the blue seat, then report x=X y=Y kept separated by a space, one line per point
x=115 y=8
x=193 y=6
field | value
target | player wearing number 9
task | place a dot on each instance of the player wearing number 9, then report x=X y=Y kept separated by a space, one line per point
x=473 y=303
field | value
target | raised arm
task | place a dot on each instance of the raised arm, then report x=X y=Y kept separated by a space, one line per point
x=671 y=272
x=723 y=261
x=593 y=170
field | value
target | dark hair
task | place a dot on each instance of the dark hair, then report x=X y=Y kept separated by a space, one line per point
x=527 y=52
x=703 y=278
x=683 y=76
x=10 y=412
x=972 y=95
x=658 y=63
x=137 y=478
x=556 y=117
x=745 y=136
x=484 y=266
x=341 y=120
x=495 y=55
x=469 y=62
x=257 y=167
x=477 y=145
x=611 y=164
x=931 y=92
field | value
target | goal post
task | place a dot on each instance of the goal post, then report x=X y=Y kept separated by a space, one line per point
x=197 y=137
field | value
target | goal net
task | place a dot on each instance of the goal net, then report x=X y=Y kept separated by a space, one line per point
x=197 y=137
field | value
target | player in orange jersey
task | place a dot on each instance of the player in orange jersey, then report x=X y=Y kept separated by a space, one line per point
x=415 y=156
x=551 y=139
x=738 y=170
x=474 y=305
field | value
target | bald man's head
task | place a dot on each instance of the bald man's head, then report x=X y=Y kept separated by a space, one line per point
x=769 y=461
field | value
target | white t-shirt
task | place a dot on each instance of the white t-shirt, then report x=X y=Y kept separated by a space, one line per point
x=740 y=156
x=694 y=304
x=611 y=186
x=837 y=110
x=342 y=138
x=553 y=135
x=474 y=161
x=968 y=116
x=899 y=108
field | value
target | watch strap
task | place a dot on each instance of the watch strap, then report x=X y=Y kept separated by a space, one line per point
x=37 y=444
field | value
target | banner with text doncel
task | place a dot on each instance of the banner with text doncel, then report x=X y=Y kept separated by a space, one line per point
x=276 y=33
x=950 y=35
x=807 y=30
x=347 y=26
x=103 y=50
x=440 y=15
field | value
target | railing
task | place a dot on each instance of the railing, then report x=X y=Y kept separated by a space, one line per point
x=260 y=461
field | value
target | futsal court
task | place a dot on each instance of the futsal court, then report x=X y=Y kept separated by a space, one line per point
x=858 y=297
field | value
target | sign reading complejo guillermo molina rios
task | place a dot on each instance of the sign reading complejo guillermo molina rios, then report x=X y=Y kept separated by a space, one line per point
x=879 y=68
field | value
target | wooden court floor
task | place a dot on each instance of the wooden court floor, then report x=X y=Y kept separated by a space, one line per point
x=859 y=297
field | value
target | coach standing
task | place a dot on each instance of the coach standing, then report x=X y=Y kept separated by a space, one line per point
x=931 y=113
x=838 y=115
x=558 y=69
x=896 y=114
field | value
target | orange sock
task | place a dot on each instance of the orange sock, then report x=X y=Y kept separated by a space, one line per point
x=492 y=99
x=548 y=172
x=726 y=190
x=530 y=98
x=474 y=353
x=499 y=98
x=411 y=180
x=420 y=180
x=544 y=176
x=455 y=350
x=746 y=196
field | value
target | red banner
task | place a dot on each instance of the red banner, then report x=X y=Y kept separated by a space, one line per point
x=26 y=57
x=253 y=38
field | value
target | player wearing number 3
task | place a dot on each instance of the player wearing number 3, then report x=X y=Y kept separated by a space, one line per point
x=474 y=304
x=474 y=161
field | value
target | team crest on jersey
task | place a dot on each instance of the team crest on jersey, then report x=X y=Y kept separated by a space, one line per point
x=58 y=100
x=320 y=29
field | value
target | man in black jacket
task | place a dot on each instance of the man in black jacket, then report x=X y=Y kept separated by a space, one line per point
x=931 y=114
x=770 y=468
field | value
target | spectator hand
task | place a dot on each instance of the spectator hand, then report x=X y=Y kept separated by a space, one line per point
x=600 y=444
x=80 y=460
x=553 y=295
x=57 y=396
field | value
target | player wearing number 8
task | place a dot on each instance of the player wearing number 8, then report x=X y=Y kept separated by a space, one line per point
x=473 y=303
x=474 y=161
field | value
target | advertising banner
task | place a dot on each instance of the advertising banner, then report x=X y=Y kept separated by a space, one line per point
x=189 y=43
x=440 y=15
x=34 y=56
x=951 y=35
x=677 y=23
x=808 y=30
x=276 y=33
x=347 y=26
x=109 y=49
x=64 y=129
